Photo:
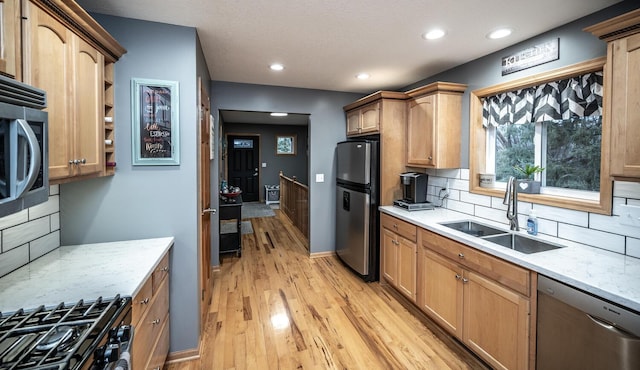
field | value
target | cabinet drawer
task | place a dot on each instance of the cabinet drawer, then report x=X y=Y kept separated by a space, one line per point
x=505 y=273
x=159 y=355
x=141 y=302
x=149 y=328
x=402 y=228
x=161 y=271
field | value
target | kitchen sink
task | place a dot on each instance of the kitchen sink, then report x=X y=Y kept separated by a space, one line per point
x=473 y=228
x=521 y=243
x=503 y=238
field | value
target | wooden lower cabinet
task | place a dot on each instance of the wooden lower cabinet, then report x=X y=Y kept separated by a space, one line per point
x=150 y=320
x=495 y=322
x=480 y=299
x=440 y=293
x=399 y=250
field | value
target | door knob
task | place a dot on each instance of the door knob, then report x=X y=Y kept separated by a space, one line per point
x=209 y=210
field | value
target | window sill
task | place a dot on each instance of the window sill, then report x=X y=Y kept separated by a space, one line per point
x=586 y=205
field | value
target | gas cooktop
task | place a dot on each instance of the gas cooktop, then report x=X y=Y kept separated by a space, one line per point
x=84 y=335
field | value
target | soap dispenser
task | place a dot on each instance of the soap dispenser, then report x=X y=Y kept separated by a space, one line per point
x=532 y=223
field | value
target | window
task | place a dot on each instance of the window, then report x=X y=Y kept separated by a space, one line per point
x=535 y=121
x=569 y=150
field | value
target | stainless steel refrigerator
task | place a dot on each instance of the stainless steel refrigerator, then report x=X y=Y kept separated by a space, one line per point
x=357 y=200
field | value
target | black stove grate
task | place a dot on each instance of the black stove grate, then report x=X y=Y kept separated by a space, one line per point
x=62 y=337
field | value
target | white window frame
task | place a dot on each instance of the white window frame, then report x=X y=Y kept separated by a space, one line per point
x=540 y=144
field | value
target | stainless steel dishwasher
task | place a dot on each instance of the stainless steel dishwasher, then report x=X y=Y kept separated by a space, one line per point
x=579 y=331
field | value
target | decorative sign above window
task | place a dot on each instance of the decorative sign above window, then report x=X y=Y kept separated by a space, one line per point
x=536 y=55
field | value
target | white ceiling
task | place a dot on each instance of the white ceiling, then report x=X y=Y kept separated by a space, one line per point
x=325 y=43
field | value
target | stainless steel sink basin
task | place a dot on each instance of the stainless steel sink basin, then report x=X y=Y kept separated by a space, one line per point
x=473 y=228
x=521 y=243
x=504 y=238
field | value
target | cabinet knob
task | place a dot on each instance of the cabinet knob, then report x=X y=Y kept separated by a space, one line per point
x=83 y=161
x=465 y=280
x=155 y=322
x=395 y=226
x=461 y=255
x=145 y=301
x=165 y=269
x=458 y=277
x=430 y=158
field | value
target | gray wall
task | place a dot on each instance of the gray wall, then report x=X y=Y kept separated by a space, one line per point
x=290 y=165
x=326 y=127
x=575 y=46
x=148 y=201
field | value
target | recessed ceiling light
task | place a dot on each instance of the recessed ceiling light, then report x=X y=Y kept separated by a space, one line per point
x=276 y=67
x=279 y=114
x=362 y=76
x=434 y=34
x=499 y=33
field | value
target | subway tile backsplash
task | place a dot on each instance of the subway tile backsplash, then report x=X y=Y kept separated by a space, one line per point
x=29 y=234
x=592 y=229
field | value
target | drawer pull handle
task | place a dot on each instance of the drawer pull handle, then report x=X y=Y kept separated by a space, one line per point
x=458 y=277
x=145 y=301
x=461 y=255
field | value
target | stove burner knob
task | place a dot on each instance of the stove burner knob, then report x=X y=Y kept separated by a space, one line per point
x=110 y=353
x=120 y=334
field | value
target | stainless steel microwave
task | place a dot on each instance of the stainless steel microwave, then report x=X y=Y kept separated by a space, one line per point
x=24 y=163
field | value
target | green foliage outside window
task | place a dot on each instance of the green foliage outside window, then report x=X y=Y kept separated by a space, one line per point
x=571 y=159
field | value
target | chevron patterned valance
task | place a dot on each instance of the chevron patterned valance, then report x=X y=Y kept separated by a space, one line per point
x=579 y=96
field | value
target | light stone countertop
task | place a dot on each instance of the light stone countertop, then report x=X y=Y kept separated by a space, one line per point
x=87 y=271
x=612 y=276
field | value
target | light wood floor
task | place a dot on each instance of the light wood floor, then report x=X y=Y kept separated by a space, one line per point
x=275 y=308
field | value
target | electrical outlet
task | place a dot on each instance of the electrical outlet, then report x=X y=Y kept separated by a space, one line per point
x=319 y=177
x=629 y=215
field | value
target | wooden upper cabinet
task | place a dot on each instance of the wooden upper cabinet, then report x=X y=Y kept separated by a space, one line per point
x=365 y=120
x=89 y=89
x=49 y=55
x=10 y=38
x=365 y=116
x=434 y=125
x=622 y=92
x=69 y=63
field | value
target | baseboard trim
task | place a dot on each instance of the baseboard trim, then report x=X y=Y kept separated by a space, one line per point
x=322 y=254
x=182 y=356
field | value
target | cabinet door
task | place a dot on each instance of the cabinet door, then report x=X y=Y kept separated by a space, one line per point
x=496 y=323
x=89 y=108
x=370 y=118
x=421 y=132
x=390 y=257
x=353 y=122
x=407 y=268
x=10 y=37
x=624 y=56
x=441 y=292
x=48 y=66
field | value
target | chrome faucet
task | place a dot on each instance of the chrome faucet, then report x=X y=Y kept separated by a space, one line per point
x=511 y=200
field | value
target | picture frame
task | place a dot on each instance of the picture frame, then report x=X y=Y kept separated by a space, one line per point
x=155 y=123
x=286 y=144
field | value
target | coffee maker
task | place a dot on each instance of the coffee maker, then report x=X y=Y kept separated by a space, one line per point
x=414 y=191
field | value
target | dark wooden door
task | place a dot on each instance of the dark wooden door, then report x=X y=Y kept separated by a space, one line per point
x=244 y=153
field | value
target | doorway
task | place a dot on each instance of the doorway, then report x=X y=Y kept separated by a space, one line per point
x=243 y=165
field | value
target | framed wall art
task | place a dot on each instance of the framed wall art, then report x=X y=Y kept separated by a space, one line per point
x=286 y=145
x=155 y=126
